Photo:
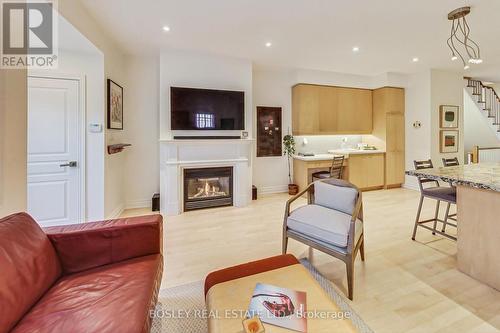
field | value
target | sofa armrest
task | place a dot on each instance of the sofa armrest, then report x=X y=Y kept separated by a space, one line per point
x=87 y=245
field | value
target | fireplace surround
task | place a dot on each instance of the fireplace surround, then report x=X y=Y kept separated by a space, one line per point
x=176 y=156
x=207 y=187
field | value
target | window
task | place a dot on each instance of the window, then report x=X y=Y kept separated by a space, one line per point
x=205 y=120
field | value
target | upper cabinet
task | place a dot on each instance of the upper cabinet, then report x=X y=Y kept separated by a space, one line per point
x=320 y=110
x=306 y=99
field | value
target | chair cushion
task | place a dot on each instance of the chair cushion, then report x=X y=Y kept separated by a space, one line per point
x=336 y=194
x=318 y=222
x=441 y=193
x=28 y=267
x=111 y=298
x=322 y=174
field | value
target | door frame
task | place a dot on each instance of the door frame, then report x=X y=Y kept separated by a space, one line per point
x=82 y=136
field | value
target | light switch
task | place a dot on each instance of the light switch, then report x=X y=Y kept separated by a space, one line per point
x=95 y=128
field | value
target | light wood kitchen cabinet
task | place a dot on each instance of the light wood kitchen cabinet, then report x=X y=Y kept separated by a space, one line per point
x=320 y=110
x=306 y=99
x=354 y=111
x=328 y=110
x=366 y=171
x=389 y=127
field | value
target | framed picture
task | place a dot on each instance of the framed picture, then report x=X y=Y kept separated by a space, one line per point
x=269 y=131
x=448 y=116
x=449 y=141
x=115 y=105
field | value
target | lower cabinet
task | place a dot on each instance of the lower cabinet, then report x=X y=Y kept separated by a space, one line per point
x=367 y=171
x=395 y=172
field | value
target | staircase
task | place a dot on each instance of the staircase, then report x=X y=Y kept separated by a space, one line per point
x=487 y=100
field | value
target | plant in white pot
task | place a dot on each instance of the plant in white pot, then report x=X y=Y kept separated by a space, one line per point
x=289 y=151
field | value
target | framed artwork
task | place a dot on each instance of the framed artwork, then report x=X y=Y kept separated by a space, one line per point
x=115 y=105
x=448 y=141
x=448 y=116
x=268 y=131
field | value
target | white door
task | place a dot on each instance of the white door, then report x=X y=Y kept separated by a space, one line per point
x=54 y=150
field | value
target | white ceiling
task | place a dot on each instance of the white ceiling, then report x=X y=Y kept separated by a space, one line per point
x=312 y=34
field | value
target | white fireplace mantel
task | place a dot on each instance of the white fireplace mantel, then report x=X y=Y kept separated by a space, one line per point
x=176 y=155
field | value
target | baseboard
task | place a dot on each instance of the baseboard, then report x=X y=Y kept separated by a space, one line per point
x=411 y=187
x=116 y=212
x=272 y=189
x=144 y=203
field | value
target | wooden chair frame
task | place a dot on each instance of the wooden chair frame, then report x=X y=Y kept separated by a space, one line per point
x=337 y=167
x=351 y=250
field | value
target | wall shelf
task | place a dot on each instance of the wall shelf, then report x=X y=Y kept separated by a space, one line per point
x=116 y=148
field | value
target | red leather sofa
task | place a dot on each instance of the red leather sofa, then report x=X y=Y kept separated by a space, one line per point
x=90 y=277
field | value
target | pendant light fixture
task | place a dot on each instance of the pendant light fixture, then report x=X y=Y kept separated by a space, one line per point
x=459 y=39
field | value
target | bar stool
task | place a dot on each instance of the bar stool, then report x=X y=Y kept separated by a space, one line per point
x=449 y=162
x=438 y=193
x=335 y=170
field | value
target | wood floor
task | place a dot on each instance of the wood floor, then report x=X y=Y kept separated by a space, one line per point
x=403 y=286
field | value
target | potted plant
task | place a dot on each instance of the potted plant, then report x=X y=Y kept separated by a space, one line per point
x=289 y=151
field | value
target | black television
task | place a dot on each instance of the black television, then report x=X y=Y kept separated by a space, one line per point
x=206 y=109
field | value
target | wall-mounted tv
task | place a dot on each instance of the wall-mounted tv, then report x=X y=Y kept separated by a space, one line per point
x=206 y=109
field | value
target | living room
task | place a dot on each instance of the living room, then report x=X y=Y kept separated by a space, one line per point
x=214 y=150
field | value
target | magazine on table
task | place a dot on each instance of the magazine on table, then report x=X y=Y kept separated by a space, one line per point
x=279 y=306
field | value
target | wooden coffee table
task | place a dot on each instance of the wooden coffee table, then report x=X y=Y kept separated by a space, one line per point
x=228 y=293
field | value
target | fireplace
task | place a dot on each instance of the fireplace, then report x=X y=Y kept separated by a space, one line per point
x=208 y=187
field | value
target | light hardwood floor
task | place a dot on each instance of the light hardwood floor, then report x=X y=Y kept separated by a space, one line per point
x=403 y=286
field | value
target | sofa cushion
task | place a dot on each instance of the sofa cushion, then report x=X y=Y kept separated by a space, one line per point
x=336 y=194
x=84 y=246
x=324 y=224
x=28 y=267
x=111 y=298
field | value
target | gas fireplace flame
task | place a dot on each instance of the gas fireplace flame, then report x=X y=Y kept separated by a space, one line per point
x=207 y=190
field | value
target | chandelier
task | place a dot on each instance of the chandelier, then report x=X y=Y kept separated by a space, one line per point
x=459 y=39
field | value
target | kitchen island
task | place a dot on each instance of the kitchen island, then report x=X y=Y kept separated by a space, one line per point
x=478 y=213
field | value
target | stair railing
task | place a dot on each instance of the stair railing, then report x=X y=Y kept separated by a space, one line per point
x=488 y=98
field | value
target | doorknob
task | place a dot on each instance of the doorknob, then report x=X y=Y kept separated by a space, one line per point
x=71 y=164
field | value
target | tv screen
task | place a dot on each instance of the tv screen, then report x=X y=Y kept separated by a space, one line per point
x=206 y=109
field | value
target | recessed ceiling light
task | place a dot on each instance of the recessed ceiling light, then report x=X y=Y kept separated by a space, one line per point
x=166 y=28
x=414 y=59
x=269 y=44
x=355 y=49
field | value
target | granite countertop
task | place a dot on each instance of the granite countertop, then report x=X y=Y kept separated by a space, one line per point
x=482 y=175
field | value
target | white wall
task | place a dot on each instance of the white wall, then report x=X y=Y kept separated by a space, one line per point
x=477 y=128
x=142 y=171
x=89 y=63
x=13 y=141
x=417 y=108
x=200 y=70
x=446 y=89
x=425 y=92
x=114 y=68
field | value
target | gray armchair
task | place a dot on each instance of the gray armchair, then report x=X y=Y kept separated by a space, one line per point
x=331 y=222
